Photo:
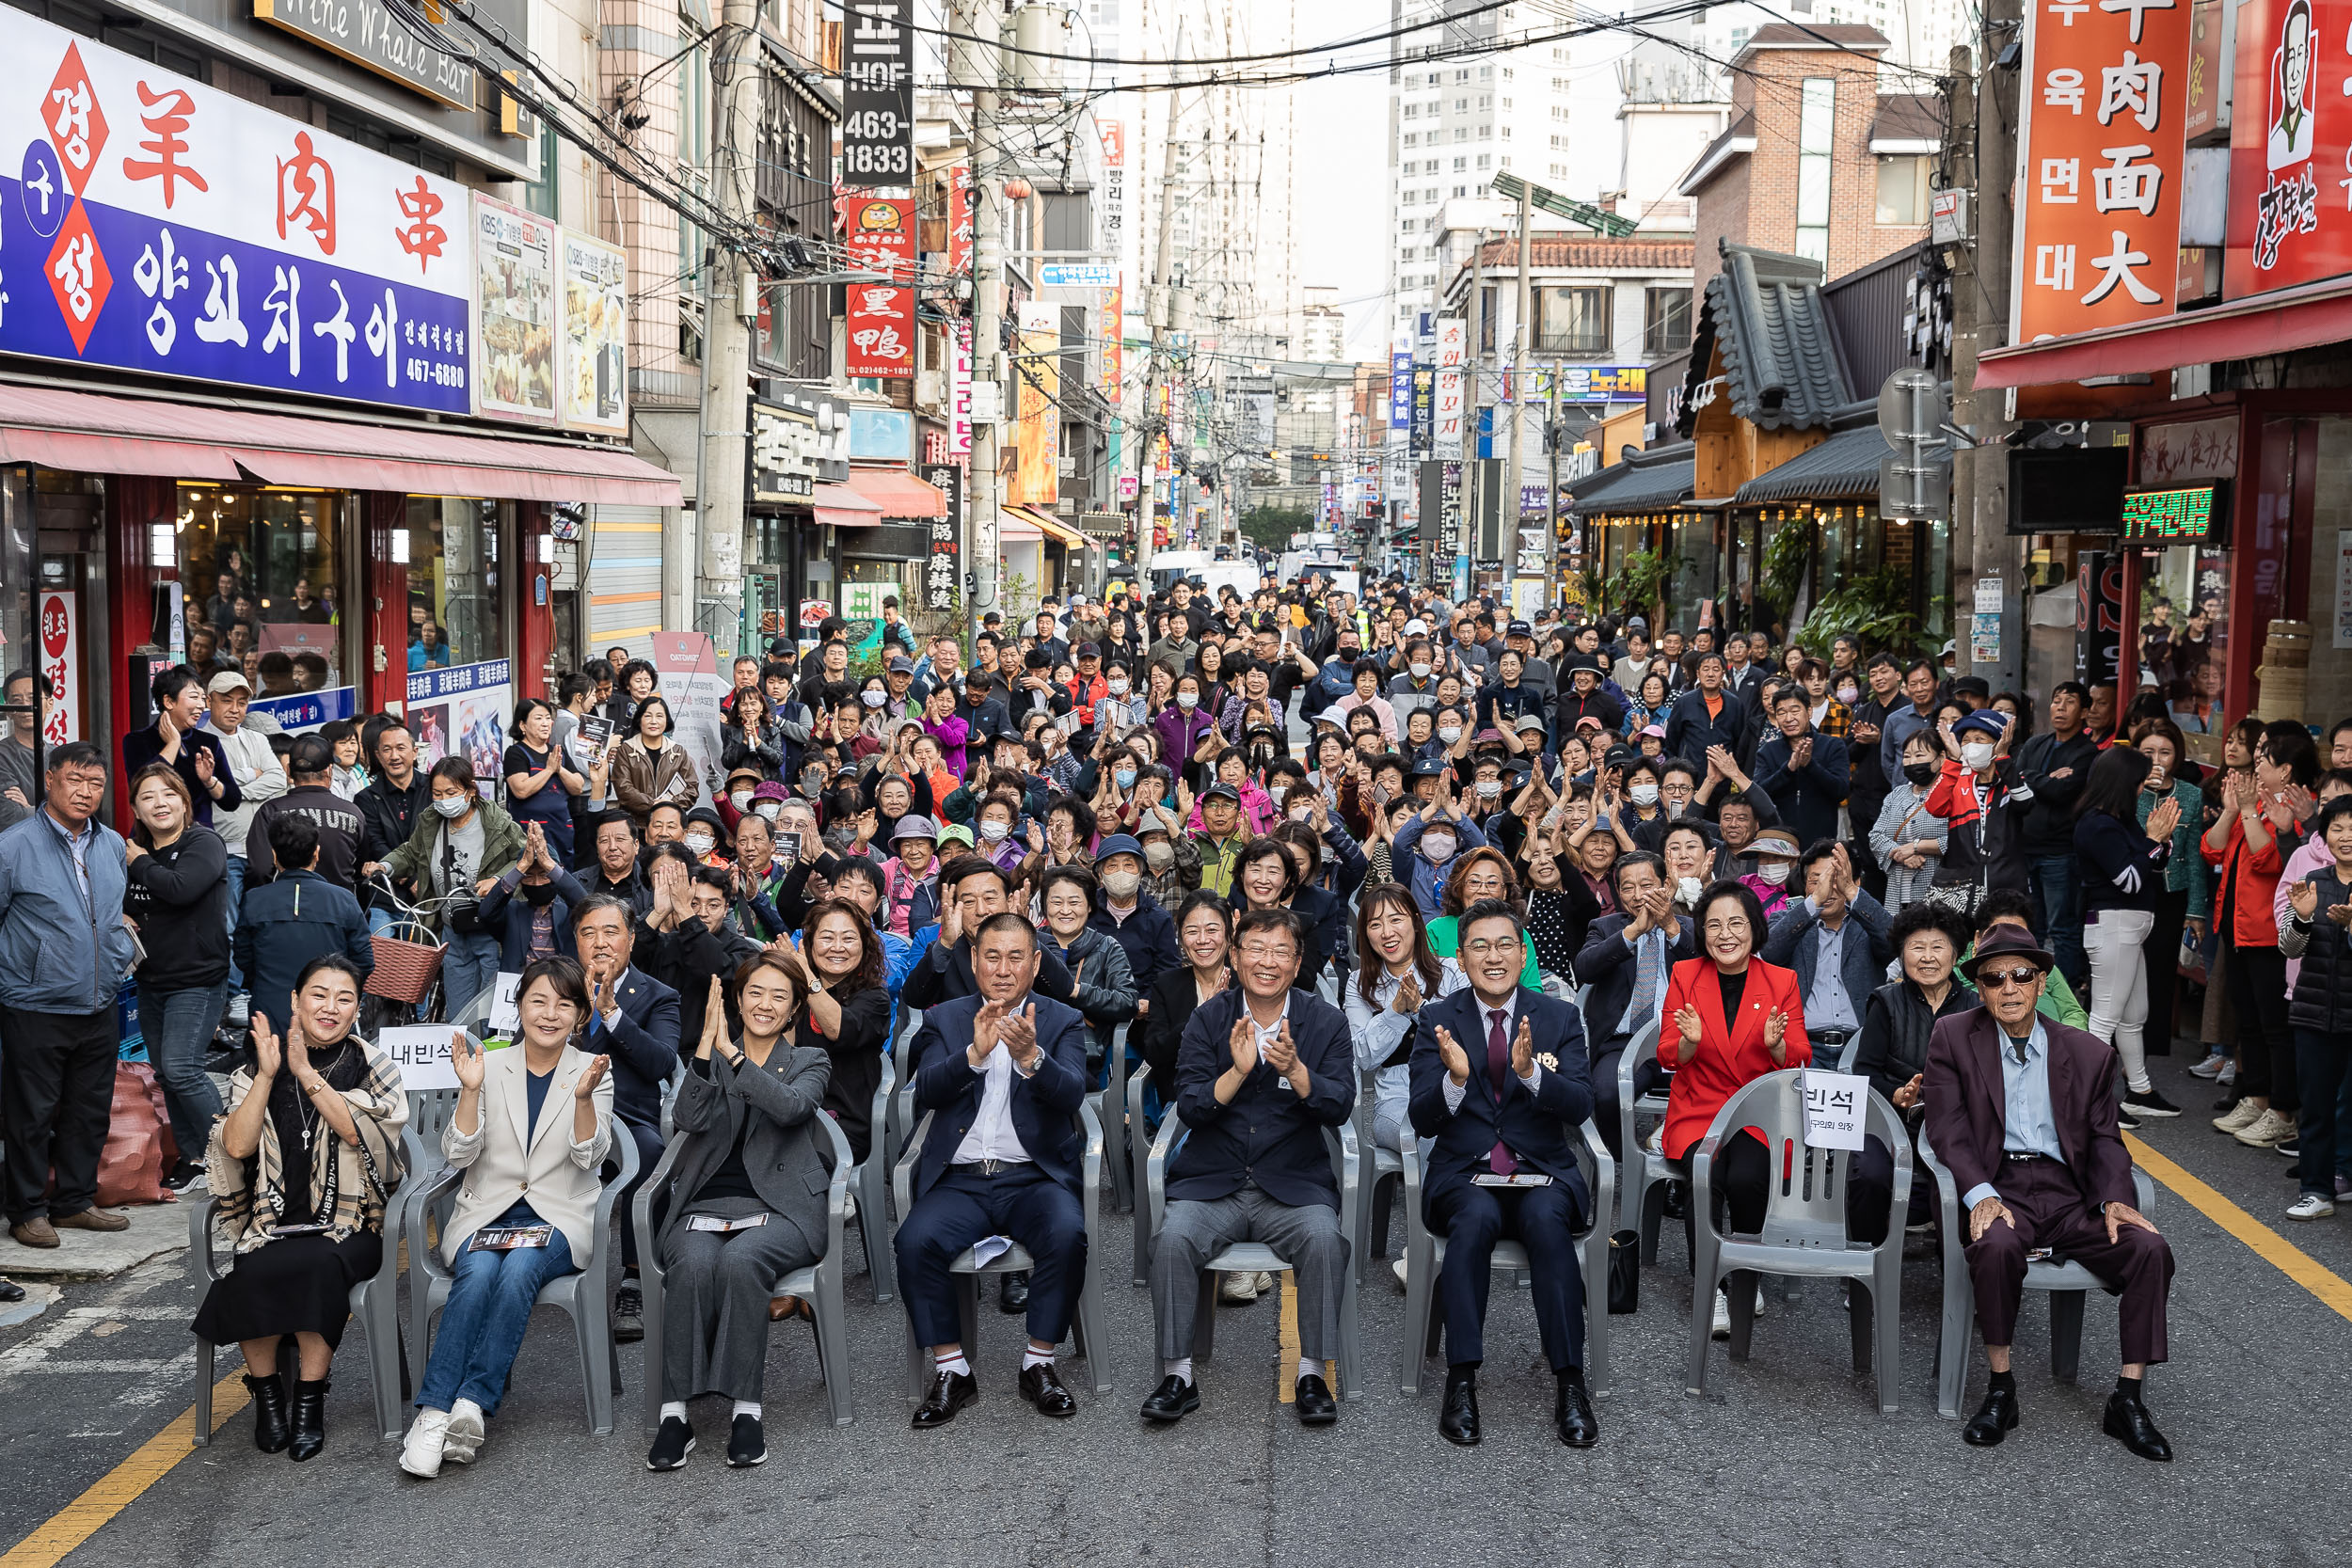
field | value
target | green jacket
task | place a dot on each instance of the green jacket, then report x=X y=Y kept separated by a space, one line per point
x=2058 y=1002
x=502 y=851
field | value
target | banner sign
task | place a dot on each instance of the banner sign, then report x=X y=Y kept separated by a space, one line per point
x=513 y=362
x=1453 y=390
x=877 y=93
x=1593 y=384
x=687 y=674
x=881 y=330
x=2290 y=137
x=1077 y=274
x=369 y=35
x=941 y=578
x=959 y=389
x=1401 y=390
x=959 y=218
x=879 y=233
x=61 y=661
x=1112 y=224
x=463 y=711
x=307 y=710
x=595 y=334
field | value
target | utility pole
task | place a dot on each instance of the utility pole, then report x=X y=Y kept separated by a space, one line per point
x=1160 y=308
x=730 y=303
x=1552 y=495
x=1522 y=344
x=1985 y=158
x=975 y=19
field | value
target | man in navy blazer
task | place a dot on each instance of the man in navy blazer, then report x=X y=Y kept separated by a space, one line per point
x=1001 y=1075
x=1500 y=1082
x=633 y=1019
x=1649 y=936
x=1805 y=772
x=1262 y=1071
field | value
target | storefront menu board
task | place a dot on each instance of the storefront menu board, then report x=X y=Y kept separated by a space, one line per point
x=2182 y=514
x=2290 y=135
x=594 y=349
x=514 y=313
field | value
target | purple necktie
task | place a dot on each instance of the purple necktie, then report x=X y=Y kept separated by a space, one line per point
x=1497 y=1070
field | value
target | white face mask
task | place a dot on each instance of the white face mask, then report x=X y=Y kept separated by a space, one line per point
x=1118 y=687
x=1188 y=700
x=451 y=806
x=1436 y=848
x=768 y=809
x=1774 y=871
x=1489 y=788
x=872 y=699
x=1451 y=734
x=1420 y=670
x=742 y=800
x=1977 y=755
x=699 y=844
x=1643 y=795
x=1687 y=889
x=993 y=832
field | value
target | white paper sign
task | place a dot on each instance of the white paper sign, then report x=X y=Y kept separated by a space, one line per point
x=1988 y=595
x=506 y=1017
x=1836 y=1105
x=2343 y=588
x=420 y=1051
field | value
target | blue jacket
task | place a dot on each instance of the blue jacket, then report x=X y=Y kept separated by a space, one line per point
x=1148 y=934
x=1044 y=1106
x=643 y=1048
x=1795 y=942
x=1426 y=880
x=1266 y=1134
x=1539 y=1127
x=284 y=924
x=60 y=953
x=1807 y=797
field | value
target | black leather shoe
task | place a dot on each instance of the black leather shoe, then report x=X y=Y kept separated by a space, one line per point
x=628 y=1313
x=269 y=1412
x=10 y=1292
x=747 y=1444
x=1041 y=1386
x=950 y=1392
x=1994 y=1421
x=1012 y=1294
x=1316 y=1407
x=1572 y=1413
x=1457 y=1422
x=1172 y=1400
x=309 y=1427
x=2128 y=1424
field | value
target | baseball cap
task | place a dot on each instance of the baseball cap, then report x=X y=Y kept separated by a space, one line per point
x=1987 y=721
x=1429 y=768
x=1087 y=650
x=955 y=832
x=1658 y=729
x=1417 y=627
x=1528 y=722
x=902 y=665
x=1519 y=628
x=1487 y=738
x=227 y=681
x=1118 y=844
x=1222 y=792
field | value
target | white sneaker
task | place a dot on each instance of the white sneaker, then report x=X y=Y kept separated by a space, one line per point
x=1721 y=1329
x=420 y=1455
x=1234 y=1289
x=1657 y=1139
x=1759 y=1300
x=1399 y=1267
x=2271 y=1127
x=464 y=1433
x=2238 y=1118
x=1265 y=1283
x=2310 y=1206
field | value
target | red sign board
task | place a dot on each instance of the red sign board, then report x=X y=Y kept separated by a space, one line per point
x=879 y=233
x=881 y=330
x=958 y=217
x=2290 y=137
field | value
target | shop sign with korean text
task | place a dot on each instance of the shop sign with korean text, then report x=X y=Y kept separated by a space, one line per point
x=879 y=233
x=514 y=360
x=150 y=223
x=2104 y=108
x=2290 y=146
x=877 y=93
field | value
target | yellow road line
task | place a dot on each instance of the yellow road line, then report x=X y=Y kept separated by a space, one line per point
x=2268 y=1244
x=120 y=1486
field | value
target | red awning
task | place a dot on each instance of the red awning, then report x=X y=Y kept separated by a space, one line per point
x=838 y=506
x=2302 y=317
x=899 y=493
x=101 y=433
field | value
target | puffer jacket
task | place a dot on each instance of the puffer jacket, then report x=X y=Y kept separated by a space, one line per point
x=1896 y=1023
x=1104 y=989
x=2322 y=998
x=63 y=946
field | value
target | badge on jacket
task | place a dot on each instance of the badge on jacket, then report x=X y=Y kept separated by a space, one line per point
x=1549 y=1062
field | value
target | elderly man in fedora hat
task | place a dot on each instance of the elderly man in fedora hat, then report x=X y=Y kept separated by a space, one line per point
x=2023 y=1112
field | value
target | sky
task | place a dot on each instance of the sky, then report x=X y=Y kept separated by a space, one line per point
x=1343 y=173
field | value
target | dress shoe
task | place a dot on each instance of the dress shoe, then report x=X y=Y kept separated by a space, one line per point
x=10 y=1292
x=269 y=1412
x=90 y=1219
x=308 y=1427
x=1041 y=1386
x=1012 y=1294
x=182 y=1174
x=747 y=1442
x=1457 y=1422
x=950 y=1392
x=628 y=1313
x=1993 y=1420
x=36 y=1232
x=1572 y=1412
x=671 y=1443
x=1171 y=1401
x=1316 y=1407
x=2127 y=1422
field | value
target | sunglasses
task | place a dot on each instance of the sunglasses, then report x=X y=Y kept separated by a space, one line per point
x=2001 y=979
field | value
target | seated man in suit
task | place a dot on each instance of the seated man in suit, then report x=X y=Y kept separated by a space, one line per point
x=1627 y=961
x=1835 y=937
x=633 y=1018
x=2021 y=1111
x=1262 y=1071
x=1504 y=1163
x=1002 y=1074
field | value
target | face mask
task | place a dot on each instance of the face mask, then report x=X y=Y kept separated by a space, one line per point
x=1125 y=777
x=1186 y=701
x=1436 y=848
x=1643 y=795
x=1159 y=857
x=1687 y=889
x=1848 y=693
x=1122 y=885
x=1420 y=670
x=872 y=699
x=1774 y=871
x=1489 y=788
x=699 y=844
x=1118 y=687
x=771 y=810
x=742 y=799
x=1451 y=734
x=993 y=832
x=451 y=806
x=1300 y=814
x=539 y=894
x=1977 y=754
x=1918 y=773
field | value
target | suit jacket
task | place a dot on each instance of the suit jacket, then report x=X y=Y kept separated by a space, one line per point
x=504 y=1155
x=944 y=974
x=1730 y=1054
x=1042 y=1104
x=1967 y=1116
x=1539 y=1127
x=1606 y=965
x=1807 y=797
x=1795 y=943
x=644 y=1047
x=1689 y=731
x=773 y=1108
x=1267 y=1135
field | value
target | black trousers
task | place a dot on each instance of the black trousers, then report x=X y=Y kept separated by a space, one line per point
x=2164 y=970
x=56 y=1094
x=1740 y=1182
x=1608 y=1110
x=2266 y=1041
x=1871 y=1190
x=649 y=1147
x=1472 y=1218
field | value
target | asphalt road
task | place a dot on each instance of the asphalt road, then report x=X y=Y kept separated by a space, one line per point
x=1785 y=1459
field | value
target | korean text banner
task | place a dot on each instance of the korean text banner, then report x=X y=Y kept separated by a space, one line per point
x=2104 y=103
x=2290 y=143
x=150 y=223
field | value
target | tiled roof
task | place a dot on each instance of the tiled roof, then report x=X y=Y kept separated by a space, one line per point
x=1622 y=488
x=1788 y=35
x=1908 y=117
x=1781 y=366
x=1569 y=250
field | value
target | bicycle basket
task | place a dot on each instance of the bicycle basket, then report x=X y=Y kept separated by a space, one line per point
x=405 y=970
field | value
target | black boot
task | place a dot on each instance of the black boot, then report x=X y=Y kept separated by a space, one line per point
x=309 y=1420
x=269 y=1412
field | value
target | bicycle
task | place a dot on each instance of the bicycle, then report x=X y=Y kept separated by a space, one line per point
x=405 y=985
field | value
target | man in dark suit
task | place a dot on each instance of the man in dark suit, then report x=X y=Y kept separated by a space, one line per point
x=1836 y=939
x=1500 y=1082
x=1263 y=1070
x=1706 y=715
x=633 y=1019
x=1001 y=1074
x=1804 y=771
x=1626 y=961
x=2021 y=1111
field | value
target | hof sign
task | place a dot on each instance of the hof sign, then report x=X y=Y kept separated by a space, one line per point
x=877 y=94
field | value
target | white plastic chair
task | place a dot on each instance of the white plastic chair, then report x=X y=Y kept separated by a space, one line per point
x=1804 y=1228
x=2066 y=1283
x=1646 y=1171
x=820 y=1283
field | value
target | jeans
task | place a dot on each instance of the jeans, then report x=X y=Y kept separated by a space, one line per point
x=379 y=921
x=233 y=904
x=177 y=1024
x=2118 y=987
x=469 y=967
x=490 y=1305
x=2058 y=903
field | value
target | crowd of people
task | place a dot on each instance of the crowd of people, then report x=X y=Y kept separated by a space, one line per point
x=1501 y=858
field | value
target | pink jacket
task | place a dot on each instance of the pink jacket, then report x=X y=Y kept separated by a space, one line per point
x=1257 y=810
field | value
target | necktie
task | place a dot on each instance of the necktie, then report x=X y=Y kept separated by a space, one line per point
x=1498 y=1065
x=1645 y=967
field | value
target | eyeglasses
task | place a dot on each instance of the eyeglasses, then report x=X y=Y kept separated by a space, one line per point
x=2001 y=979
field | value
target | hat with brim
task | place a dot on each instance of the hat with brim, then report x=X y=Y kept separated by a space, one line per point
x=2009 y=942
x=912 y=826
x=1118 y=844
x=1780 y=843
x=1990 y=722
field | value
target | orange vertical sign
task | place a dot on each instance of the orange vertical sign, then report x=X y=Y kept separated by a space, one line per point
x=2104 y=108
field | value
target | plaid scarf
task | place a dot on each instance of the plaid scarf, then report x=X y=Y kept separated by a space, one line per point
x=350 y=1185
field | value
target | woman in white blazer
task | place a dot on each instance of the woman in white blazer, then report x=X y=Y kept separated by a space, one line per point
x=532 y=1125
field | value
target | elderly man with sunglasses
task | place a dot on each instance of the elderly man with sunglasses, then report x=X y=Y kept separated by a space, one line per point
x=2023 y=1113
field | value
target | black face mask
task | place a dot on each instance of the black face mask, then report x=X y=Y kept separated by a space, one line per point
x=539 y=892
x=1918 y=773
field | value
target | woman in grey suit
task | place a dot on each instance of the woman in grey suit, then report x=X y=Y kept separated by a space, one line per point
x=749 y=1207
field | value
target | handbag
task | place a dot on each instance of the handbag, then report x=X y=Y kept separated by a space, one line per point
x=1625 y=1272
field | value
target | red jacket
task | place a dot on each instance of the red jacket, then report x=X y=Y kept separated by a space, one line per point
x=2249 y=879
x=1728 y=1057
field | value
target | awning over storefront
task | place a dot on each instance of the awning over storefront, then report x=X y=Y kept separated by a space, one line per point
x=1052 y=526
x=838 y=506
x=1015 y=526
x=1643 y=490
x=2303 y=317
x=98 y=433
x=899 y=493
x=1840 y=469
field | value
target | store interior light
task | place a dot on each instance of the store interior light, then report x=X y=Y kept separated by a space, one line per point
x=400 y=546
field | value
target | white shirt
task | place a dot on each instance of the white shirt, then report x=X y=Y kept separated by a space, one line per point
x=993 y=1137
x=1510 y=1010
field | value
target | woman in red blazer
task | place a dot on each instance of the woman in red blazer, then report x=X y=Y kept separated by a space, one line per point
x=1730 y=1019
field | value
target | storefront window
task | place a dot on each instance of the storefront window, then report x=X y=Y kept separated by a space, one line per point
x=263 y=570
x=2184 y=635
x=450 y=548
x=17 y=650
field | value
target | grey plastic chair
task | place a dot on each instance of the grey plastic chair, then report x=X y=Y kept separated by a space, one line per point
x=375 y=1302
x=1110 y=1105
x=1646 y=1171
x=2066 y=1283
x=902 y=1099
x=1382 y=1169
x=1138 y=1178
x=1804 y=1228
x=1256 y=1257
x=581 y=1295
x=1086 y=1324
x=820 y=1283
x=1425 y=1251
x=871 y=1183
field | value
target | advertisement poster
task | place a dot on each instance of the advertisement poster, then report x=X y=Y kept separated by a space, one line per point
x=687 y=674
x=514 y=313
x=596 y=335
x=61 y=661
x=1037 y=428
x=153 y=224
x=2290 y=136
x=463 y=710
